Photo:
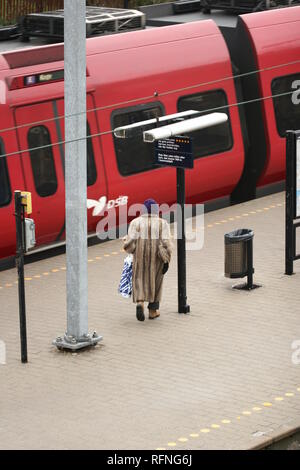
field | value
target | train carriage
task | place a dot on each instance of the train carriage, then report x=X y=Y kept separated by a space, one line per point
x=269 y=43
x=130 y=77
x=140 y=75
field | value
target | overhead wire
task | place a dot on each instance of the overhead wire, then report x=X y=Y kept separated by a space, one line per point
x=209 y=110
x=155 y=95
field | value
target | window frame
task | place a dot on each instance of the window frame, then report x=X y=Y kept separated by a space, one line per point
x=121 y=111
x=3 y=152
x=273 y=99
x=219 y=108
x=53 y=159
x=90 y=142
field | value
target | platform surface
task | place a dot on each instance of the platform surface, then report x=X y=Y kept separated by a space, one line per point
x=219 y=378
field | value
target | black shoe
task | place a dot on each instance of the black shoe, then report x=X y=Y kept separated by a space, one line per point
x=140 y=313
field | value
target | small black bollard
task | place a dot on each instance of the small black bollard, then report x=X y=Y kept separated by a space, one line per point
x=183 y=307
x=20 y=217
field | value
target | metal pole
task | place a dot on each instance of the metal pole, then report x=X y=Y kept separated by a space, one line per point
x=181 y=252
x=289 y=194
x=19 y=214
x=77 y=335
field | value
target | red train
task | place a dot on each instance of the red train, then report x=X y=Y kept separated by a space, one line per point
x=196 y=62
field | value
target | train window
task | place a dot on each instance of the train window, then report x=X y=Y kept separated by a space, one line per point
x=287 y=107
x=214 y=139
x=5 y=191
x=42 y=161
x=133 y=155
x=91 y=167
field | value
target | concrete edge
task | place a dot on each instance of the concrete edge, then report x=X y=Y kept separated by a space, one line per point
x=276 y=436
x=157 y=9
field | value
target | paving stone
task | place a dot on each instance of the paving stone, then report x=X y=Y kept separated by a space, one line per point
x=149 y=384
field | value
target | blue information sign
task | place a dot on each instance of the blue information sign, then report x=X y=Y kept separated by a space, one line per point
x=176 y=152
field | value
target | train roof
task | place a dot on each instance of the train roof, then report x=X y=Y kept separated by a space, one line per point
x=159 y=56
x=104 y=44
x=272 y=17
x=157 y=15
x=274 y=35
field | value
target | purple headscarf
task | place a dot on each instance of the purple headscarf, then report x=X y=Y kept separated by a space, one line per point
x=151 y=206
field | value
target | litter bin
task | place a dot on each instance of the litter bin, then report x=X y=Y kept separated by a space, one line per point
x=239 y=253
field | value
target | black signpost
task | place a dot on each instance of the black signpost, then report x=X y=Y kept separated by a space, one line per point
x=175 y=151
x=292 y=198
x=20 y=234
x=178 y=152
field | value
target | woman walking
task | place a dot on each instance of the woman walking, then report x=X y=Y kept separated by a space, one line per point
x=149 y=241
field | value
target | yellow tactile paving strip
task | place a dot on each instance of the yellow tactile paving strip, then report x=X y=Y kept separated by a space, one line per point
x=115 y=253
x=60 y=269
x=224 y=422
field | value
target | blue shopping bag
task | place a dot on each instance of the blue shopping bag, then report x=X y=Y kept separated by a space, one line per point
x=125 y=287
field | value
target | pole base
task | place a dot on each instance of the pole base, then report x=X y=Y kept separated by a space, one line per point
x=73 y=344
x=246 y=287
x=184 y=309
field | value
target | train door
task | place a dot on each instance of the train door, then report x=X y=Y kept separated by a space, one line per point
x=11 y=179
x=96 y=178
x=42 y=160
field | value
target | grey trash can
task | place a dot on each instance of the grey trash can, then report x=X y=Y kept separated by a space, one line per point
x=236 y=253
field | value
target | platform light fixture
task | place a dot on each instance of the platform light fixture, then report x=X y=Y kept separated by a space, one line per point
x=181 y=128
x=139 y=127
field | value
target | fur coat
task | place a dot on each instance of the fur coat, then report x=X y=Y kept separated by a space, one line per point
x=149 y=240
